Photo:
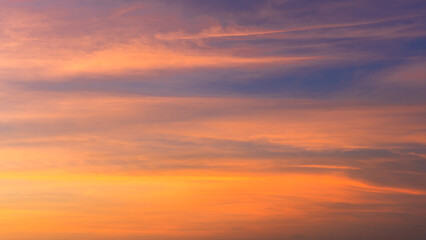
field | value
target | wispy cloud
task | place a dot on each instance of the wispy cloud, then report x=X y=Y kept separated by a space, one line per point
x=216 y=119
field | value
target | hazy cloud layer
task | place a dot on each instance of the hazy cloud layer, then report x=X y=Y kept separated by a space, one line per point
x=273 y=119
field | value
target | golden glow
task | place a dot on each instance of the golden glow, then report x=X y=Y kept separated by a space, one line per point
x=204 y=120
x=166 y=204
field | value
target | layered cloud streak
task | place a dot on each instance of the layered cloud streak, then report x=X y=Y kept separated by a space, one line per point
x=212 y=119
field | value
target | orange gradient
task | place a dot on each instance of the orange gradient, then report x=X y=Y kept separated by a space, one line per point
x=212 y=120
x=184 y=205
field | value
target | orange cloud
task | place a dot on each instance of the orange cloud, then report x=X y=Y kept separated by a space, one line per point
x=172 y=205
x=84 y=154
x=33 y=50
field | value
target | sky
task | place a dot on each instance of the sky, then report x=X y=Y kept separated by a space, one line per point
x=205 y=120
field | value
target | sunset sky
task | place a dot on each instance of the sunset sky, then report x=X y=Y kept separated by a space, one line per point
x=212 y=120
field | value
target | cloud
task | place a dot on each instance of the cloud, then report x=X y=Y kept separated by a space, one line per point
x=139 y=133
x=406 y=75
x=212 y=119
